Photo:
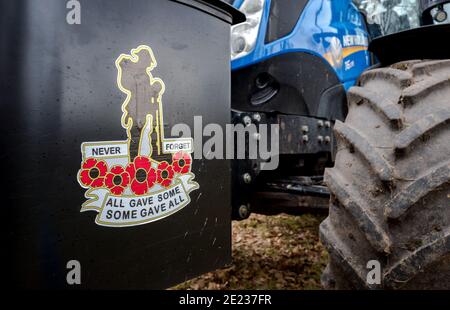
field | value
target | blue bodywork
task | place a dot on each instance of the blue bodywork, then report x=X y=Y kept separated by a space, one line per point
x=324 y=27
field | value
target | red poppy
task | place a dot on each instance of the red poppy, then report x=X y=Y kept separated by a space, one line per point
x=142 y=175
x=117 y=180
x=164 y=173
x=181 y=162
x=93 y=172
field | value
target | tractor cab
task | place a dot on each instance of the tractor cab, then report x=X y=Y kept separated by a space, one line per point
x=386 y=17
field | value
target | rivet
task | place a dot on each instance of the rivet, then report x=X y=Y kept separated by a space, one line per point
x=257 y=117
x=247 y=120
x=247 y=178
x=244 y=211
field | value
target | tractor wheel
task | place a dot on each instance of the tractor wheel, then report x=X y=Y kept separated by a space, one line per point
x=390 y=186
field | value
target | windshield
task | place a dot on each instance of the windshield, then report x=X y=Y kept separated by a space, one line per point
x=388 y=16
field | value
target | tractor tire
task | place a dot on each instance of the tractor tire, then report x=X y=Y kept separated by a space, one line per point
x=390 y=186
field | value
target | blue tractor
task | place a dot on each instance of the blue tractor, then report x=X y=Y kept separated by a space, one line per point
x=359 y=91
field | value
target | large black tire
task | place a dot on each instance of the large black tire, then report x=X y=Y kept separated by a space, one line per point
x=390 y=186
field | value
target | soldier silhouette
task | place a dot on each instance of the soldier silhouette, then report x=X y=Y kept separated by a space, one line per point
x=142 y=110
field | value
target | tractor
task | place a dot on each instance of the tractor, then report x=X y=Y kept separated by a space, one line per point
x=360 y=90
x=107 y=183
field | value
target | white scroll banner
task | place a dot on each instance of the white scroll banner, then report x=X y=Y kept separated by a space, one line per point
x=132 y=210
x=104 y=149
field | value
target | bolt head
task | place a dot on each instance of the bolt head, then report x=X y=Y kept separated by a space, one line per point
x=247 y=120
x=305 y=138
x=247 y=177
x=244 y=211
x=320 y=139
x=305 y=129
x=327 y=139
x=257 y=117
x=320 y=123
x=327 y=124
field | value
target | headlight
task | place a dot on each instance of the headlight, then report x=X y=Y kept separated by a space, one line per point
x=243 y=35
x=439 y=14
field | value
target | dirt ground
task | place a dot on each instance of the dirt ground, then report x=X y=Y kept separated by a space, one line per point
x=270 y=252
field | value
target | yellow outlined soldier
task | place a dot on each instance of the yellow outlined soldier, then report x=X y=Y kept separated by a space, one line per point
x=142 y=108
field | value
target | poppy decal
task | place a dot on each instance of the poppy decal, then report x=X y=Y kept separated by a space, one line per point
x=181 y=162
x=93 y=173
x=146 y=177
x=142 y=174
x=117 y=180
x=165 y=174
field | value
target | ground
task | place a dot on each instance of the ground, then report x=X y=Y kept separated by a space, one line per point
x=270 y=252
